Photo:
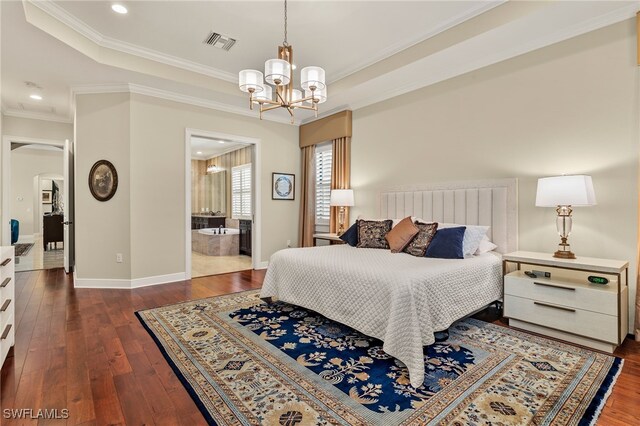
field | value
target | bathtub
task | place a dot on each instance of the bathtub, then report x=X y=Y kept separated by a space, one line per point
x=210 y=242
x=218 y=231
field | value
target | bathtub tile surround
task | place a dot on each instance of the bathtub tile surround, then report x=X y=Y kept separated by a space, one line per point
x=211 y=242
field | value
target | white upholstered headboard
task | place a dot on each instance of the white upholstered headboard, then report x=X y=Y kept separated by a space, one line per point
x=492 y=203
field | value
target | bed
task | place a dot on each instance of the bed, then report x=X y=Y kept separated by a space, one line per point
x=398 y=298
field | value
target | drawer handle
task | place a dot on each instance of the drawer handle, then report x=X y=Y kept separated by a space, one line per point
x=554 y=286
x=5 y=333
x=5 y=305
x=561 y=308
x=6 y=262
x=5 y=282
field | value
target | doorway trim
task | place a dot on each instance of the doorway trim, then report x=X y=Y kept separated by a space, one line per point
x=6 y=177
x=256 y=235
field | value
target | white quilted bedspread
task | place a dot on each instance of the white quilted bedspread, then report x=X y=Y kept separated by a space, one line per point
x=397 y=298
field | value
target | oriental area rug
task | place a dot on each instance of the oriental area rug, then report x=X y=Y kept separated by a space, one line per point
x=246 y=362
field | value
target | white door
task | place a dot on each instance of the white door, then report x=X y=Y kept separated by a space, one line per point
x=68 y=199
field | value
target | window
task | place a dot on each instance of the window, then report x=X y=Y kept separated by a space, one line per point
x=323 y=183
x=241 y=192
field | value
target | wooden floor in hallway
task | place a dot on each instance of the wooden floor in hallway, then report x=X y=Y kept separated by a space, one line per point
x=84 y=350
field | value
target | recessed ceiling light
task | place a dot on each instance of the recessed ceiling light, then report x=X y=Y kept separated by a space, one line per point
x=199 y=152
x=118 y=8
x=36 y=97
x=220 y=141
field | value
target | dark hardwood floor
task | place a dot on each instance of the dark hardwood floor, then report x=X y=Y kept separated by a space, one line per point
x=84 y=350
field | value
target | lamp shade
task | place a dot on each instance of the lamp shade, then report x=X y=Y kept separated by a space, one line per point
x=265 y=95
x=312 y=77
x=319 y=94
x=277 y=72
x=250 y=80
x=573 y=190
x=342 y=197
x=296 y=95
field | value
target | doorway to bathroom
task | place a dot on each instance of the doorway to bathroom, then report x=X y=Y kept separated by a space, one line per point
x=222 y=198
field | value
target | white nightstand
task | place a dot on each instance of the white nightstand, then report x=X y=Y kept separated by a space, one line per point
x=567 y=305
x=332 y=238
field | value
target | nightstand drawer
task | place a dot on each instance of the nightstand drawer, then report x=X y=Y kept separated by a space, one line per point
x=601 y=300
x=561 y=317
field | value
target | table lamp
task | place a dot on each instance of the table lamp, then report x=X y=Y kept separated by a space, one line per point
x=565 y=192
x=341 y=198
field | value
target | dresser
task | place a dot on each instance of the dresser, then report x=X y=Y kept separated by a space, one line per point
x=583 y=301
x=7 y=302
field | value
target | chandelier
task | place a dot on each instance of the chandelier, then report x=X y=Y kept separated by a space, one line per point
x=279 y=74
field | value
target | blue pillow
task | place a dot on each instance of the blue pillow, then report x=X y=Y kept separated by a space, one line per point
x=350 y=236
x=447 y=243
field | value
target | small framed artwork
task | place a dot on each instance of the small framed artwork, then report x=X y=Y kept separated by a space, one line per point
x=46 y=197
x=284 y=185
x=103 y=180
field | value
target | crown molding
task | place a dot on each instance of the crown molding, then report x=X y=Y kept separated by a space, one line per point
x=10 y=112
x=175 y=97
x=483 y=6
x=101 y=40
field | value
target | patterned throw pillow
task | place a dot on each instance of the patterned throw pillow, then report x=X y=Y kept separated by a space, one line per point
x=418 y=246
x=372 y=233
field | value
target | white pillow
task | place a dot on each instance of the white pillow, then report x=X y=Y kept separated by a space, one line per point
x=485 y=246
x=472 y=236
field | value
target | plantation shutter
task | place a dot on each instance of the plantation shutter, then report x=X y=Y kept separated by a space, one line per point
x=323 y=183
x=241 y=192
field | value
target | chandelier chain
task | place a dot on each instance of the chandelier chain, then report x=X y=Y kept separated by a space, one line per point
x=284 y=43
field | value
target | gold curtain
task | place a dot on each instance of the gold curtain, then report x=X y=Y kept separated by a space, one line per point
x=340 y=177
x=307 y=221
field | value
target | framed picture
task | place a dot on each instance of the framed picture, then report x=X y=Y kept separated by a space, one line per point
x=103 y=180
x=284 y=186
x=46 y=196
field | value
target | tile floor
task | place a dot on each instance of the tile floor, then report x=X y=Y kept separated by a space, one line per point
x=202 y=265
x=37 y=258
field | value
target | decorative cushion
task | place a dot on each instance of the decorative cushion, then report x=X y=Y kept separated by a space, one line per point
x=485 y=246
x=350 y=236
x=401 y=235
x=420 y=242
x=472 y=236
x=372 y=233
x=447 y=244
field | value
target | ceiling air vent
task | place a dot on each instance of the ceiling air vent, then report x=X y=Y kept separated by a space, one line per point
x=220 y=41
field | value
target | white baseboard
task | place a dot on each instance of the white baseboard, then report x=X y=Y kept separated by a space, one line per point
x=125 y=284
x=158 y=279
x=263 y=265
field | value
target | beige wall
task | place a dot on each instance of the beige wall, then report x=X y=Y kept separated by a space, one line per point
x=27 y=163
x=39 y=129
x=158 y=179
x=570 y=108
x=102 y=229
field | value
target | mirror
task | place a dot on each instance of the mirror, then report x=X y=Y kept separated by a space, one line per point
x=215 y=192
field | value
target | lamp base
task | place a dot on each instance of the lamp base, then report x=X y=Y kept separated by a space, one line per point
x=564 y=254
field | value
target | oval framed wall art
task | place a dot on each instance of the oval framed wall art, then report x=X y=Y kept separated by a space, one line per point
x=103 y=180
